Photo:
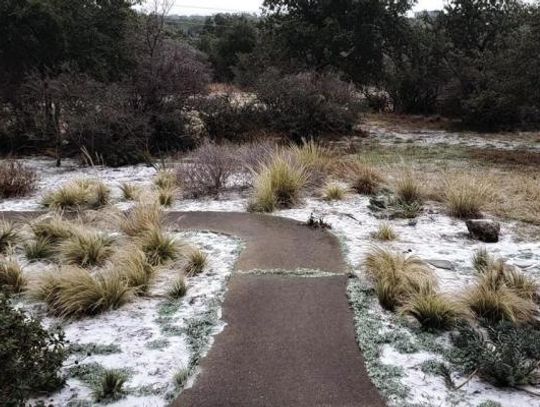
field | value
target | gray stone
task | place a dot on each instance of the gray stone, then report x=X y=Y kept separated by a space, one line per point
x=441 y=264
x=485 y=230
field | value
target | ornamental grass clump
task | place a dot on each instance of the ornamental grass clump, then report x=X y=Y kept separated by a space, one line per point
x=397 y=276
x=132 y=264
x=196 y=261
x=78 y=195
x=278 y=185
x=8 y=236
x=11 y=276
x=365 y=179
x=333 y=192
x=86 y=249
x=466 y=195
x=55 y=229
x=384 y=232
x=142 y=218
x=159 y=247
x=130 y=192
x=39 y=249
x=72 y=292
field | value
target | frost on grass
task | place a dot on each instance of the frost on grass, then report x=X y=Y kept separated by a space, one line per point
x=147 y=340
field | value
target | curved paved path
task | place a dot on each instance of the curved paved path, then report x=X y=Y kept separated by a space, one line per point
x=289 y=340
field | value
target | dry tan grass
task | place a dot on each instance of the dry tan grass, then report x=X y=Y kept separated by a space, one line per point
x=142 y=218
x=165 y=179
x=167 y=195
x=130 y=192
x=11 y=276
x=9 y=236
x=55 y=228
x=160 y=247
x=384 y=232
x=72 y=292
x=77 y=195
x=132 y=264
x=85 y=249
x=196 y=262
x=397 y=276
x=333 y=192
x=408 y=188
x=364 y=178
x=467 y=195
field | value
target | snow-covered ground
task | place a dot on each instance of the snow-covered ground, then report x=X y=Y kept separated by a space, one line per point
x=433 y=236
x=427 y=137
x=148 y=336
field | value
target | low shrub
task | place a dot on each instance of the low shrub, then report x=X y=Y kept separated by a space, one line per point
x=434 y=311
x=39 y=249
x=77 y=195
x=308 y=104
x=397 y=276
x=16 y=179
x=503 y=354
x=178 y=288
x=11 y=276
x=130 y=192
x=31 y=356
x=159 y=247
x=333 y=192
x=110 y=387
x=277 y=185
x=467 y=195
x=86 y=249
x=196 y=261
x=207 y=169
x=8 y=236
x=75 y=292
x=384 y=232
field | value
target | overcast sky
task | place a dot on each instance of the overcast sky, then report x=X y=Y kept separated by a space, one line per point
x=205 y=7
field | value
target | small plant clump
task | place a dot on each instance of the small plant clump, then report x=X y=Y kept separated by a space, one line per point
x=78 y=195
x=408 y=189
x=278 y=185
x=384 y=232
x=39 y=249
x=333 y=192
x=55 y=229
x=365 y=179
x=11 y=276
x=133 y=265
x=130 y=192
x=167 y=195
x=178 y=288
x=86 y=249
x=142 y=218
x=8 y=236
x=165 y=179
x=73 y=292
x=16 y=179
x=111 y=386
x=196 y=262
x=159 y=247
x=467 y=196
x=317 y=223
x=434 y=311
x=397 y=276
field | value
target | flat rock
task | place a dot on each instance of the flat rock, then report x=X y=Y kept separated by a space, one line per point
x=485 y=230
x=441 y=264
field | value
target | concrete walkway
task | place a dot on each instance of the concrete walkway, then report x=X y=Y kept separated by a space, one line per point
x=289 y=340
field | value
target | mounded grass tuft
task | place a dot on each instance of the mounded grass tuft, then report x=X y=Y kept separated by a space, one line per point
x=397 y=276
x=167 y=195
x=165 y=179
x=55 y=229
x=384 y=232
x=110 y=387
x=408 y=189
x=11 y=276
x=278 y=185
x=196 y=261
x=434 y=311
x=178 y=288
x=365 y=179
x=159 y=247
x=78 y=195
x=130 y=192
x=481 y=260
x=86 y=249
x=133 y=265
x=142 y=218
x=333 y=192
x=75 y=292
x=8 y=236
x=39 y=249
x=502 y=293
x=466 y=196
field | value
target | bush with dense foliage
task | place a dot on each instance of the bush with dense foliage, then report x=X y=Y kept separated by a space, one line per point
x=31 y=356
x=308 y=105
